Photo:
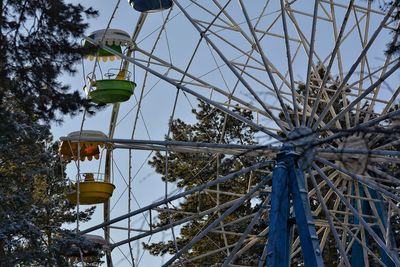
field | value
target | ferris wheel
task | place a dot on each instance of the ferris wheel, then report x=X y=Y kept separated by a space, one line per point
x=311 y=79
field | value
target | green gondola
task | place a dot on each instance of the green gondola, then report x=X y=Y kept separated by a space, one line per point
x=112 y=91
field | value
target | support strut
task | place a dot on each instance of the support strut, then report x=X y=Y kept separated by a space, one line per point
x=289 y=193
x=357 y=257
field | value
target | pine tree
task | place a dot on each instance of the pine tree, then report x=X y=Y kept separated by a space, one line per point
x=393 y=47
x=212 y=126
x=39 y=40
x=34 y=206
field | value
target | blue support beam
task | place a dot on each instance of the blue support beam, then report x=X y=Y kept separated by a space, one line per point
x=289 y=191
x=357 y=259
x=383 y=215
x=288 y=183
x=305 y=222
x=278 y=239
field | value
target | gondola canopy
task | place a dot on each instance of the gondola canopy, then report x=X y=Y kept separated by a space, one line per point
x=113 y=38
x=87 y=149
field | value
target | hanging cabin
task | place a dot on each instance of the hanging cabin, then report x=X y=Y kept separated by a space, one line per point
x=96 y=245
x=88 y=150
x=108 y=90
x=91 y=191
x=148 y=6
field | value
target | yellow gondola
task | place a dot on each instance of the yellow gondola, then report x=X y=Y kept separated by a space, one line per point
x=91 y=191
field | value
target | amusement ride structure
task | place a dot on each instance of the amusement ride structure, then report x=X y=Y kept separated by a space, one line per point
x=324 y=99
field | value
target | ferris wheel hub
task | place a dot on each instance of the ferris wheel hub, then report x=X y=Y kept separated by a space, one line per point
x=301 y=139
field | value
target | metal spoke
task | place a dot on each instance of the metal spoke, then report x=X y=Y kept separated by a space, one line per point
x=370 y=184
x=289 y=62
x=335 y=52
x=216 y=222
x=266 y=65
x=393 y=256
x=310 y=61
x=229 y=65
x=354 y=66
x=330 y=220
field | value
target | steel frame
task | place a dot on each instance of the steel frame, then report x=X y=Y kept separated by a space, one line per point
x=289 y=192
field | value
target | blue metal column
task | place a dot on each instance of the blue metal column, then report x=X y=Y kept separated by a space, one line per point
x=288 y=181
x=357 y=259
x=305 y=222
x=383 y=214
x=278 y=237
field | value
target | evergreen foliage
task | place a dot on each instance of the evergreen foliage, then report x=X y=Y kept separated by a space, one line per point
x=39 y=40
x=189 y=170
x=393 y=47
x=34 y=205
